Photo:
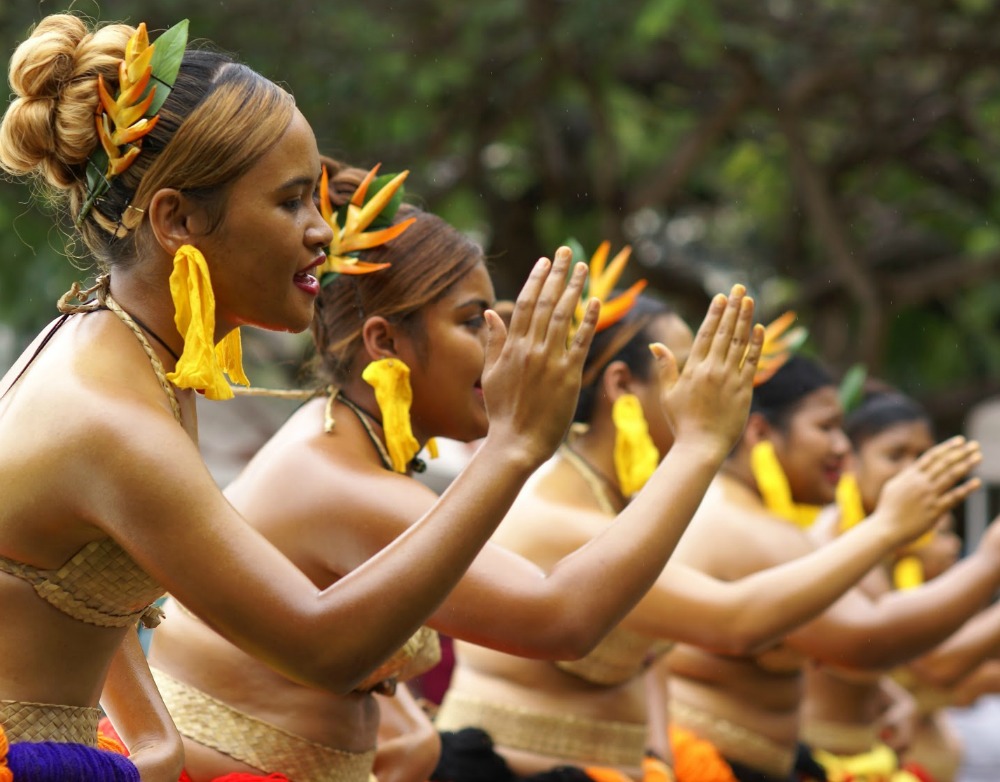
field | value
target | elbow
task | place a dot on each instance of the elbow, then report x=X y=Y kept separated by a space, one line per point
x=747 y=634
x=867 y=652
x=745 y=644
x=571 y=643
x=937 y=673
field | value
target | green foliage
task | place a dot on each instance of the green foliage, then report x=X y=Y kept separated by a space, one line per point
x=811 y=149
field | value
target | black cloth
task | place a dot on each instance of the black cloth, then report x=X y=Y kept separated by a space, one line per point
x=467 y=755
x=805 y=769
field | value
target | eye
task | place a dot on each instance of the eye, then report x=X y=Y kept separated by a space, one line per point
x=476 y=323
x=292 y=204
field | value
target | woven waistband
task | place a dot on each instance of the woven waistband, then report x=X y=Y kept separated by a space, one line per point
x=259 y=744
x=26 y=721
x=565 y=736
x=838 y=737
x=734 y=741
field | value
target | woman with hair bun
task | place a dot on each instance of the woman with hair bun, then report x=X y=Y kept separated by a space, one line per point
x=422 y=315
x=190 y=179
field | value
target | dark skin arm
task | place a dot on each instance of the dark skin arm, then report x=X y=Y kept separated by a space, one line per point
x=133 y=704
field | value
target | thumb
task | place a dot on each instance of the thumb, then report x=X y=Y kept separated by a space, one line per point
x=666 y=363
x=496 y=337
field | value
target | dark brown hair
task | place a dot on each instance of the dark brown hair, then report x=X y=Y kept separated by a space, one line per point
x=427 y=259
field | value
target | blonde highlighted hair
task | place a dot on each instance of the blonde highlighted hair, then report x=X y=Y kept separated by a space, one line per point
x=218 y=120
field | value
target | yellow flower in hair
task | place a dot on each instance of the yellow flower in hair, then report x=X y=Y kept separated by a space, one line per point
x=601 y=282
x=357 y=216
x=780 y=342
x=127 y=112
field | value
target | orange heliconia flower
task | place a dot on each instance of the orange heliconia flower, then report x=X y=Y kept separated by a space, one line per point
x=352 y=237
x=126 y=112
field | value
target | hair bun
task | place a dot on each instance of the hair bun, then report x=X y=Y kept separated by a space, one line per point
x=48 y=129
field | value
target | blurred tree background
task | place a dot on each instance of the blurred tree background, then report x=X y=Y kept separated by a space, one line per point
x=839 y=156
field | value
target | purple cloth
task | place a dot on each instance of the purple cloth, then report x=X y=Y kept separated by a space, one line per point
x=48 y=761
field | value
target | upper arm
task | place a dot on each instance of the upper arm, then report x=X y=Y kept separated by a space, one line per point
x=150 y=491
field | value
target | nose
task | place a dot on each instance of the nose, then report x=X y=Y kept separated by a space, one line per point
x=319 y=234
x=839 y=442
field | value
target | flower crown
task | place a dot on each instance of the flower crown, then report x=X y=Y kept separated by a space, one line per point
x=780 y=342
x=374 y=209
x=601 y=282
x=124 y=120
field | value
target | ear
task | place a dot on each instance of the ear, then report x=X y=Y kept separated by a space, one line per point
x=616 y=380
x=175 y=220
x=757 y=429
x=379 y=338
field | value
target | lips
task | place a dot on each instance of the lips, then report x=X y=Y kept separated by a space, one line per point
x=306 y=281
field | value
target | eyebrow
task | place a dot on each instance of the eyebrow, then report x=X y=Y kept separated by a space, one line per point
x=300 y=181
x=481 y=303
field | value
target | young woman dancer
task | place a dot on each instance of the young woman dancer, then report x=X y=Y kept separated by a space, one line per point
x=107 y=503
x=593 y=712
x=748 y=706
x=425 y=311
x=840 y=714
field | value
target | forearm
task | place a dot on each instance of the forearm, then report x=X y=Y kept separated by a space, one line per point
x=777 y=600
x=418 y=569
x=976 y=641
x=632 y=552
x=985 y=680
x=137 y=712
x=903 y=625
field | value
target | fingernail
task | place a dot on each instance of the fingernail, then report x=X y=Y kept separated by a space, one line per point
x=738 y=290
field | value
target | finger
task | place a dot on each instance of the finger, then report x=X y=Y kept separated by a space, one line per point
x=584 y=336
x=706 y=332
x=958 y=469
x=959 y=494
x=752 y=357
x=524 y=306
x=931 y=460
x=550 y=295
x=722 y=341
x=561 y=319
x=496 y=336
x=942 y=467
x=666 y=364
x=741 y=334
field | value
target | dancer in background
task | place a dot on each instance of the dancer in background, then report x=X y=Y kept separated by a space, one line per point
x=413 y=333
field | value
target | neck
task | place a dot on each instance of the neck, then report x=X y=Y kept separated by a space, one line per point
x=363 y=395
x=149 y=300
x=736 y=470
x=596 y=447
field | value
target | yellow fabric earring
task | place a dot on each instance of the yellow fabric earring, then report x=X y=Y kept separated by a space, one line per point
x=390 y=378
x=772 y=483
x=202 y=364
x=636 y=456
x=852 y=509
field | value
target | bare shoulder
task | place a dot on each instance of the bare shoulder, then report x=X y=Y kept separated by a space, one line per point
x=729 y=539
x=323 y=498
x=551 y=517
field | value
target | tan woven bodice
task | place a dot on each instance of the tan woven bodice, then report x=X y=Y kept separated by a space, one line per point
x=620 y=656
x=100 y=585
x=421 y=653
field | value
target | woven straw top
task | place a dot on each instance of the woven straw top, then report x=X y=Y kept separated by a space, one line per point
x=100 y=585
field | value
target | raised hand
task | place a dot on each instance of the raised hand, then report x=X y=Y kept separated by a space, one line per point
x=919 y=495
x=531 y=380
x=709 y=401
